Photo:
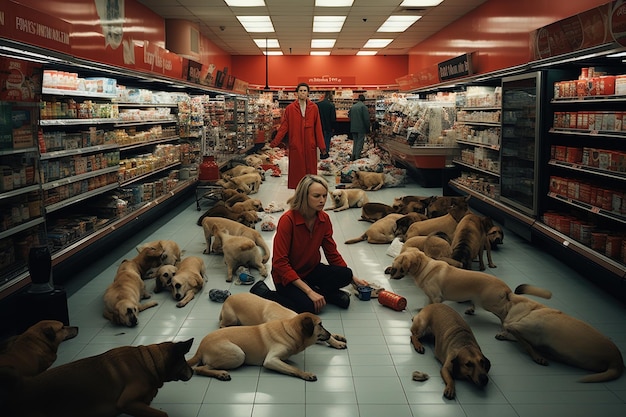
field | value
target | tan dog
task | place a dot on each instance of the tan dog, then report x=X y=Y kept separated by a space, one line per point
x=368 y=181
x=371 y=212
x=404 y=222
x=439 y=206
x=539 y=328
x=411 y=204
x=470 y=241
x=188 y=280
x=123 y=380
x=269 y=344
x=234 y=229
x=455 y=347
x=122 y=299
x=171 y=254
x=345 y=199
x=446 y=224
x=440 y=282
x=381 y=231
x=163 y=279
x=251 y=204
x=239 y=251
x=435 y=246
x=237 y=171
x=35 y=350
x=236 y=197
x=246 y=183
x=248 y=218
x=247 y=309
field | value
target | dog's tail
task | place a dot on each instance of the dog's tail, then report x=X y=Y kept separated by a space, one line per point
x=356 y=239
x=614 y=372
x=533 y=290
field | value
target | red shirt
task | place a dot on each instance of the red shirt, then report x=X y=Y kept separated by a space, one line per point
x=297 y=249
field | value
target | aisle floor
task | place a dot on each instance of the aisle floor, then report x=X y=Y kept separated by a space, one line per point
x=372 y=377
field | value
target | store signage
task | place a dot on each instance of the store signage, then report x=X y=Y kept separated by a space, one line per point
x=327 y=80
x=194 y=69
x=153 y=58
x=461 y=66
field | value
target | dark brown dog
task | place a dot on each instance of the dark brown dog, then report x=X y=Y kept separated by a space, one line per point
x=371 y=212
x=247 y=218
x=455 y=347
x=447 y=224
x=495 y=235
x=123 y=380
x=470 y=241
x=35 y=350
x=411 y=203
x=403 y=223
x=439 y=206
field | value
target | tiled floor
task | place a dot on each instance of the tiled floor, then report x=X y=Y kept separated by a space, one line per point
x=373 y=376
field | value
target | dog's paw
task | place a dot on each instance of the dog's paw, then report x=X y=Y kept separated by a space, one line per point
x=388 y=270
x=420 y=376
x=222 y=376
x=308 y=376
x=448 y=392
x=470 y=311
x=337 y=342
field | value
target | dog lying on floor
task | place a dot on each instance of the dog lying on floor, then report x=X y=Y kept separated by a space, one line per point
x=269 y=344
x=122 y=299
x=368 y=181
x=234 y=229
x=35 y=350
x=188 y=280
x=455 y=347
x=371 y=212
x=447 y=223
x=171 y=254
x=345 y=199
x=381 y=231
x=123 y=380
x=541 y=329
x=246 y=309
x=246 y=217
x=239 y=251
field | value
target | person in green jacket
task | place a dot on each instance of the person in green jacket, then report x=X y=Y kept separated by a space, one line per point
x=359 y=125
x=328 y=117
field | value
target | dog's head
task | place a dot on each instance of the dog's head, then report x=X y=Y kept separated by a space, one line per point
x=470 y=364
x=150 y=256
x=336 y=196
x=405 y=262
x=174 y=365
x=126 y=312
x=312 y=329
x=495 y=235
x=164 y=276
x=53 y=331
x=248 y=218
x=257 y=205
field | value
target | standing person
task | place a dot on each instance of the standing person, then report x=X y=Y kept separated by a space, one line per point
x=302 y=282
x=301 y=120
x=328 y=116
x=359 y=125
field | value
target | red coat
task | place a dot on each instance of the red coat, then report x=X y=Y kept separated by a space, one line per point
x=305 y=136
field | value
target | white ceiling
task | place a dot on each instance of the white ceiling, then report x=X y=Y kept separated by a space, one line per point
x=293 y=21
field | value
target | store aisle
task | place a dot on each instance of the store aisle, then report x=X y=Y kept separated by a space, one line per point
x=372 y=377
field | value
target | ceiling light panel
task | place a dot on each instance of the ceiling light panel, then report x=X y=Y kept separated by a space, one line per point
x=398 y=23
x=320 y=53
x=377 y=43
x=271 y=43
x=364 y=53
x=256 y=23
x=328 y=24
x=322 y=43
x=333 y=3
x=420 y=3
x=245 y=3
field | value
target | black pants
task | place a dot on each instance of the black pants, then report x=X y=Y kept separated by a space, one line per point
x=325 y=280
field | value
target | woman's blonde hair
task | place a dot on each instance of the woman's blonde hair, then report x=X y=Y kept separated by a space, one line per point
x=299 y=201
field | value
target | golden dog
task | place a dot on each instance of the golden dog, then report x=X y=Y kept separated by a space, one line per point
x=237 y=171
x=541 y=329
x=470 y=241
x=35 y=350
x=122 y=299
x=435 y=246
x=446 y=224
x=371 y=212
x=234 y=229
x=251 y=204
x=381 y=231
x=123 y=380
x=246 y=183
x=440 y=282
x=368 y=181
x=246 y=309
x=235 y=197
x=163 y=279
x=269 y=344
x=248 y=218
x=455 y=347
x=345 y=199
x=171 y=254
x=239 y=251
x=188 y=280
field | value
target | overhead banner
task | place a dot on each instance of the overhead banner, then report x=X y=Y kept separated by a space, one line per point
x=327 y=80
x=461 y=66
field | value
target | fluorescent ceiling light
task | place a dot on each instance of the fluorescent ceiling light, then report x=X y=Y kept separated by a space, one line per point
x=617 y=55
x=273 y=52
x=377 y=43
x=322 y=43
x=328 y=23
x=256 y=23
x=245 y=3
x=420 y=3
x=320 y=53
x=398 y=23
x=271 y=43
x=333 y=3
x=367 y=53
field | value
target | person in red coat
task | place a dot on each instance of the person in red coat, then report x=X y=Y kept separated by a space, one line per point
x=301 y=121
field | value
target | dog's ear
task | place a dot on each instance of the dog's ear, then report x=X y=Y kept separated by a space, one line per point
x=486 y=364
x=308 y=326
x=49 y=333
x=183 y=347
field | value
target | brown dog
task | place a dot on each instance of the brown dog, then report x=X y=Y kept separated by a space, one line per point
x=248 y=217
x=35 y=350
x=234 y=229
x=247 y=309
x=251 y=204
x=541 y=329
x=411 y=204
x=188 y=280
x=455 y=347
x=345 y=199
x=239 y=251
x=495 y=235
x=446 y=224
x=435 y=246
x=470 y=241
x=122 y=299
x=382 y=231
x=123 y=380
x=171 y=254
x=237 y=171
x=368 y=181
x=269 y=344
x=404 y=222
x=440 y=282
x=371 y=212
